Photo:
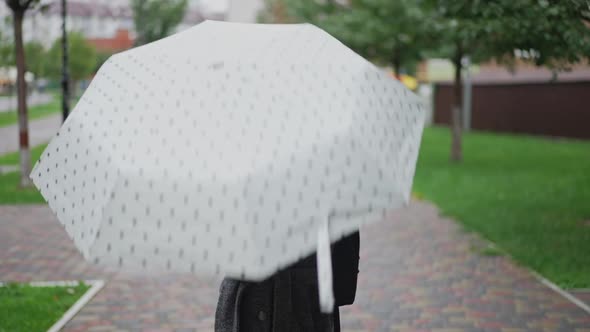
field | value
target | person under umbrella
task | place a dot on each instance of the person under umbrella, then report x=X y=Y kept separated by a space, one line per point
x=239 y=159
x=288 y=301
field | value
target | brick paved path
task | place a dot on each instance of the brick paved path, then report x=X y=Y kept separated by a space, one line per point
x=418 y=273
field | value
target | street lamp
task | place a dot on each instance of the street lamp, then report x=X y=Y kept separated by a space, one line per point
x=65 y=79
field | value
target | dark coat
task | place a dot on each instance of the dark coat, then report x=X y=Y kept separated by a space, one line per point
x=288 y=301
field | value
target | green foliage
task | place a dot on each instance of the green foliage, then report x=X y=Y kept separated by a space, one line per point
x=547 y=32
x=312 y=11
x=29 y=309
x=385 y=31
x=390 y=32
x=36 y=57
x=551 y=32
x=155 y=19
x=458 y=27
x=528 y=195
x=6 y=50
x=34 y=52
x=81 y=61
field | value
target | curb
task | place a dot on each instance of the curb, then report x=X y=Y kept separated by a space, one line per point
x=570 y=297
x=96 y=286
x=563 y=292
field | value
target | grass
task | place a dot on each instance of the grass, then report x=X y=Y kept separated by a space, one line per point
x=31 y=309
x=530 y=196
x=34 y=112
x=13 y=157
x=10 y=192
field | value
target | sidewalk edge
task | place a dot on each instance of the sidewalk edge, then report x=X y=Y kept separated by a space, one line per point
x=97 y=285
x=562 y=292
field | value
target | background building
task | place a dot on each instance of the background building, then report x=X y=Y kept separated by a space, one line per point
x=95 y=19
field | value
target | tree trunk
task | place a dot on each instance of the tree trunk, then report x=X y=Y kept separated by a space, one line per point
x=456 y=123
x=21 y=84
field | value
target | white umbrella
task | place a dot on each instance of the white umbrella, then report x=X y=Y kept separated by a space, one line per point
x=234 y=149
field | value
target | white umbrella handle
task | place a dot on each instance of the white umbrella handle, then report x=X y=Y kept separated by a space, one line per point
x=324 y=264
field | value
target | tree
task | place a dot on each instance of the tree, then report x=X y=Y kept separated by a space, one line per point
x=540 y=39
x=552 y=32
x=459 y=26
x=6 y=51
x=81 y=54
x=312 y=11
x=18 y=8
x=392 y=32
x=35 y=58
x=155 y=19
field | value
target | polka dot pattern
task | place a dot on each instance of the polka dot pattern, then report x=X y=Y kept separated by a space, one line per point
x=224 y=148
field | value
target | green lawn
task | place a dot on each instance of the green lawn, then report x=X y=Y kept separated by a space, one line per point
x=531 y=196
x=35 y=309
x=35 y=112
x=13 y=157
x=10 y=193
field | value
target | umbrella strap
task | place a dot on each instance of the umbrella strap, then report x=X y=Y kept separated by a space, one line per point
x=324 y=264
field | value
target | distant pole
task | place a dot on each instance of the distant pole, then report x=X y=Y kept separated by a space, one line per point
x=467 y=94
x=65 y=75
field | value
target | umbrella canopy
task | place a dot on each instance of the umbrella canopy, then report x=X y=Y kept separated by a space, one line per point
x=230 y=148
